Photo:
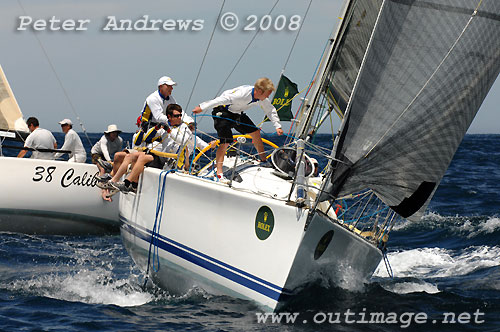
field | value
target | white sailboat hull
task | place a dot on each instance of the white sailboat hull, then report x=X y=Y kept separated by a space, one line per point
x=53 y=197
x=208 y=237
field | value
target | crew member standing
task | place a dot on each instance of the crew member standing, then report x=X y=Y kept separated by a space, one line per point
x=228 y=113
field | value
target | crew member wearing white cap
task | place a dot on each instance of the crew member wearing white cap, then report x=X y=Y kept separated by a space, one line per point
x=108 y=145
x=228 y=112
x=154 y=110
x=72 y=142
x=107 y=150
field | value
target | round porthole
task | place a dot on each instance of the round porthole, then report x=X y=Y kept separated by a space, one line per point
x=323 y=244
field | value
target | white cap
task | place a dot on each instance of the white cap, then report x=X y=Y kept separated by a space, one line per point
x=166 y=80
x=112 y=128
x=66 y=121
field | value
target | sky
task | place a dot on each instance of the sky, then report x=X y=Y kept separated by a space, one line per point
x=103 y=75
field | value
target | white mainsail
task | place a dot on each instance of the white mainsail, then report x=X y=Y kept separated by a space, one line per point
x=11 y=117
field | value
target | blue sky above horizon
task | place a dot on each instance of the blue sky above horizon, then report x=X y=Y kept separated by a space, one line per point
x=108 y=74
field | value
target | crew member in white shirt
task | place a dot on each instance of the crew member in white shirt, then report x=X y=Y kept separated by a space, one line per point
x=39 y=138
x=228 y=113
x=180 y=137
x=176 y=136
x=104 y=151
x=154 y=110
x=72 y=142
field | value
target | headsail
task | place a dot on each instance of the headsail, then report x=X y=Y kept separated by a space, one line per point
x=346 y=61
x=426 y=72
x=336 y=81
x=11 y=118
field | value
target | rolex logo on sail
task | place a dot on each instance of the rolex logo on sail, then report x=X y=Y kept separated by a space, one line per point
x=287 y=91
x=264 y=223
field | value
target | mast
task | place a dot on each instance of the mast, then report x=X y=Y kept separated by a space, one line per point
x=309 y=105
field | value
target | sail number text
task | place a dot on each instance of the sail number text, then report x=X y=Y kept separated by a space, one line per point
x=68 y=178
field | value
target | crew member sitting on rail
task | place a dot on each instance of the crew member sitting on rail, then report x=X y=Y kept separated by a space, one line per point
x=105 y=150
x=177 y=140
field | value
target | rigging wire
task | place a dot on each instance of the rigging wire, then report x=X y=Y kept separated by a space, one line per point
x=311 y=83
x=58 y=78
x=246 y=49
x=205 y=55
x=288 y=58
x=388 y=265
x=296 y=37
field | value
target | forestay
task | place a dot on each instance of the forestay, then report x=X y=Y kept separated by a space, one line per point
x=428 y=67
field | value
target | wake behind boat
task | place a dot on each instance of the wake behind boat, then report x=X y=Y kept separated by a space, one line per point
x=406 y=78
x=45 y=196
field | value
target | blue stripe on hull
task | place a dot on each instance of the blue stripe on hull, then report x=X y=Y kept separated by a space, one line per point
x=206 y=262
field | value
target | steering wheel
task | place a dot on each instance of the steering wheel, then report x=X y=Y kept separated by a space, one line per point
x=265 y=141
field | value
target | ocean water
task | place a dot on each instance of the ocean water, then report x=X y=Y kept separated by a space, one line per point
x=446 y=275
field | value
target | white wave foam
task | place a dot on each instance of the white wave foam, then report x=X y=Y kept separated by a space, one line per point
x=468 y=227
x=87 y=286
x=429 y=216
x=411 y=287
x=489 y=226
x=440 y=263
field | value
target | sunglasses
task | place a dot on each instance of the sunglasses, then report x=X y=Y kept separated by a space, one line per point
x=176 y=115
